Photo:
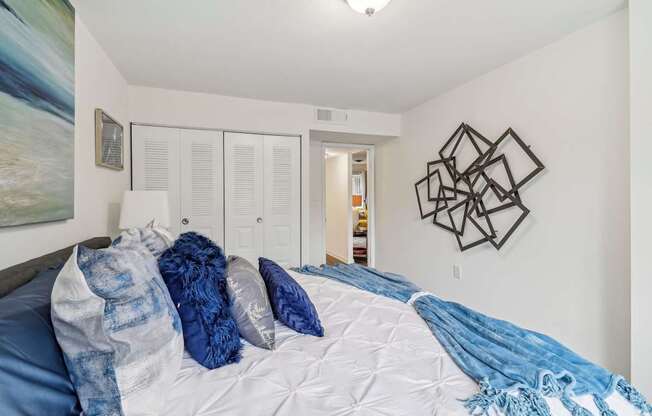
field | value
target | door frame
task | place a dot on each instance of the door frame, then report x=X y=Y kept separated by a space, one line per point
x=371 y=199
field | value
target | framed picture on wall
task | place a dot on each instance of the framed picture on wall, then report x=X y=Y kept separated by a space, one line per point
x=109 y=141
x=37 y=111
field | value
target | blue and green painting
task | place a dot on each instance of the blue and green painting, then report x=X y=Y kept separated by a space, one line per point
x=37 y=111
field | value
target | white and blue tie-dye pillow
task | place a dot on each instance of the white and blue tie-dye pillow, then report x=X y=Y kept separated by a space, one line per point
x=118 y=329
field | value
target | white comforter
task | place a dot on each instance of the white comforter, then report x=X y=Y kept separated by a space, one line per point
x=377 y=358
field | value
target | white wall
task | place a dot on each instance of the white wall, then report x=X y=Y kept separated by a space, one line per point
x=640 y=16
x=317 y=210
x=338 y=206
x=98 y=191
x=187 y=109
x=565 y=272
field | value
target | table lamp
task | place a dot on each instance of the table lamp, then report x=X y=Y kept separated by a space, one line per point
x=139 y=208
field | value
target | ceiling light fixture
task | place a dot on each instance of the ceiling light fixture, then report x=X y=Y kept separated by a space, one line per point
x=368 y=7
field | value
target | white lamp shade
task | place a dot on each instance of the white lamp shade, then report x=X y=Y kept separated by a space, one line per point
x=139 y=208
x=368 y=7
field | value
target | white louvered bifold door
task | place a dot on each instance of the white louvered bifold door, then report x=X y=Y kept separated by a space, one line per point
x=282 y=203
x=201 y=183
x=155 y=152
x=243 y=189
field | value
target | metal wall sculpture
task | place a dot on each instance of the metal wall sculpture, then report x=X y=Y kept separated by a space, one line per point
x=456 y=190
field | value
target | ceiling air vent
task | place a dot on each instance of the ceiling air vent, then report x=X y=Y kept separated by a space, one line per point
x=327 y=115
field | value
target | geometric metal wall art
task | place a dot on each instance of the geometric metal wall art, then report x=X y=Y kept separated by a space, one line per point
x=461 y=193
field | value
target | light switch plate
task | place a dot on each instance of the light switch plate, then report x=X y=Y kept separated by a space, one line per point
x=457 y=272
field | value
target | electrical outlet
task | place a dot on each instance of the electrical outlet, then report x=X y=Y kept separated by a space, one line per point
x=457 y=272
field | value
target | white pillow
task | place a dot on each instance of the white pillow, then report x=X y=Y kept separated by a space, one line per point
x=118 y=328
x=156 y=238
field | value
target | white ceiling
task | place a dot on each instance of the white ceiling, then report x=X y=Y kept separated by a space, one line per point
x=320 y=51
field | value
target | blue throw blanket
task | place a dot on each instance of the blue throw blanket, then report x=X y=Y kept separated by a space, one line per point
x=514 y=367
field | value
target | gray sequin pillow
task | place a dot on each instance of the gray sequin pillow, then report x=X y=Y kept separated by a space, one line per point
x=249 y=303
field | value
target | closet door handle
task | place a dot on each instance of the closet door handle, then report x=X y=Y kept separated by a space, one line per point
x=185 y=221
x=259 y=220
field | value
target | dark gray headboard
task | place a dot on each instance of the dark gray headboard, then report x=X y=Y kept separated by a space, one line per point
x=20 y=274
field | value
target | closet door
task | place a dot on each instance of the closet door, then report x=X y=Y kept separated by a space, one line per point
x=282 y=200
x=155 y=153
x=243 y=187
x=201 y=183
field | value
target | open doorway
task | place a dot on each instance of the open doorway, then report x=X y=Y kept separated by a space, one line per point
x=348 y=204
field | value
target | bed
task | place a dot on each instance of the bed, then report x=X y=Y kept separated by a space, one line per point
x=377 y=357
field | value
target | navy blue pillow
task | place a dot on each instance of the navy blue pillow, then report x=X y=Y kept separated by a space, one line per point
x=194 y=270
x=33 y=376
x=290 y=303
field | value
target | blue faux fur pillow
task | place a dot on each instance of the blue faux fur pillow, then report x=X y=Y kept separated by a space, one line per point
x=194 y=272
x=290 y=303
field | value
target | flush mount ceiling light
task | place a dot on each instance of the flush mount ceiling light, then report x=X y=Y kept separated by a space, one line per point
x=368 y=7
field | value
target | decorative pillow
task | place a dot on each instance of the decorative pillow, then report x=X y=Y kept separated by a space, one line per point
x=290 y=303
x=249 y=304
x=156 y=239
x=33 y=376
x=118 y=328
x=194 y=271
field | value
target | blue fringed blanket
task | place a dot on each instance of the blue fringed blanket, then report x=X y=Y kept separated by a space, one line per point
x=514 y=367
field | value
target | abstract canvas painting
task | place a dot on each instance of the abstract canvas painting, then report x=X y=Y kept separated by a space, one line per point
x=37 y=111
